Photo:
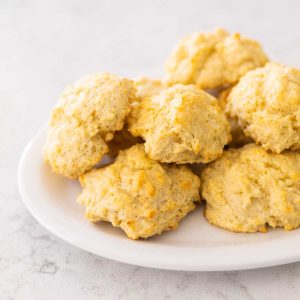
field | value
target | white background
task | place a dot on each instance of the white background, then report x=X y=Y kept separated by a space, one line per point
x=45 y=45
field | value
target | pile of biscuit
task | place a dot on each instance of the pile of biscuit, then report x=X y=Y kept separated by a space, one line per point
x=223 y=115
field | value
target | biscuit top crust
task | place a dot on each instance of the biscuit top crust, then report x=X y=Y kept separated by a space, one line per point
x=70 y=152
x=213 y=60
x=138 y=194
x=248 y=188
x=147 y=87
x=98 y=102
x=267 y=104
x=181 y=124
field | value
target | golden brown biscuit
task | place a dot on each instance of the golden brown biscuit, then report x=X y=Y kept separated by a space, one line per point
x=239 y=138
x=181 y=124
x=212 y=60
x=248 y=188
x=147 y=87
x=138 y=194
x=267 y=104
x=99 y=102
x=71 y=152
x=87 y=114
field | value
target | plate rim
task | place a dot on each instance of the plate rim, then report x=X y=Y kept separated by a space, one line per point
x=157 y=261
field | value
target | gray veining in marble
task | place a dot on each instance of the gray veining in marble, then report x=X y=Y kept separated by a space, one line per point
x=46 y=44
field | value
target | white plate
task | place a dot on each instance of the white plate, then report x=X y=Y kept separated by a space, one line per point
x=194 y=246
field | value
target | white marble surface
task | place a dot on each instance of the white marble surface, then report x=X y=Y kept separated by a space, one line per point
x=46 y=44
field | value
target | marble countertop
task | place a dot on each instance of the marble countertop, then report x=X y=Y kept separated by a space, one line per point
x=47 y=44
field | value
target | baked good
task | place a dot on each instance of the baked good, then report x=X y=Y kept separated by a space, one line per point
x=267 y=103
x=249 y=188
x=71 y=152
x=181 y=124
x=138 y=194
x=214 y=59
x=147 y=87
x=86 y=116
x=98 y=102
